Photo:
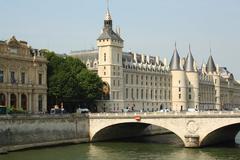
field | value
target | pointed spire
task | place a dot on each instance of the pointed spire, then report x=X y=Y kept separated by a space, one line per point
x=108 y=15
x=108 y=32
x=175 y=61
x=211 y=67
x=189 y=64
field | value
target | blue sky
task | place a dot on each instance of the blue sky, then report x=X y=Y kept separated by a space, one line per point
x=147 y=26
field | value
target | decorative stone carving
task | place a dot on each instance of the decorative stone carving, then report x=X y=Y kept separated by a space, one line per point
x=192 y=127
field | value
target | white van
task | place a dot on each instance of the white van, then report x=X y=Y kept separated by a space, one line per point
x=192 y=110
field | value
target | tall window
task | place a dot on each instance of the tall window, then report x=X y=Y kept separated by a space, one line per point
x=24 y=102
x=126 y=93
x=132 y=79
x=190 y=96
x=2 y=99
x=132 y=93
x=151 y=94
x=189 y=90
x=160 y=94
x=137 y=93
x=12 y=77
x=146 y=93
x=141 y=93
x=13 y=100
x=40 y=103
x=23 y=78
x=39 y=78
x=126 y=78
x=1 y=76
x=118 y=57
x=105 y=57
x=165 y=94
x=136 y=79
x=113 y=95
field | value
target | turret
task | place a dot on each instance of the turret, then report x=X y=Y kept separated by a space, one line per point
x=178 y=83
x=210 y=65
x=212 y=70
x=192 y=82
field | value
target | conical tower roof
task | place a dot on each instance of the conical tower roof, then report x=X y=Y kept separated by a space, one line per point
x=175 y=61
x=211 y=67
x=189 y=62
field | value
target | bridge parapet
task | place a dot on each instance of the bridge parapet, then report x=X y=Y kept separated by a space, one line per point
x=168 y=114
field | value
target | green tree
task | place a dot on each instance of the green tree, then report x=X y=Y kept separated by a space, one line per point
x=70 y=81
x=91 y=86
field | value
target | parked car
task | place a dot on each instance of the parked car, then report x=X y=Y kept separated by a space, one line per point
x=57 y=111
x=83 y=110
x=164 y=110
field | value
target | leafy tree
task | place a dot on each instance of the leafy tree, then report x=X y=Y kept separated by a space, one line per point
x=91 y=85
x=70 y=81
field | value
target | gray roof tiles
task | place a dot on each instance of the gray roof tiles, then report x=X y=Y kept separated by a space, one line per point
x=189 y=62
x=175 y=61
x=109 y=34
x=210 y=65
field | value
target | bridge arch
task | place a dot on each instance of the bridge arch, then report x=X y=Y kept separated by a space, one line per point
x=222 y=134
x=127 y=130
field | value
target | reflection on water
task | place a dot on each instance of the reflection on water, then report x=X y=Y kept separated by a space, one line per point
x=125 y=151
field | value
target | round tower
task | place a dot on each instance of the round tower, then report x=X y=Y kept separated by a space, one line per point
x=179 y=102
x=192 y=82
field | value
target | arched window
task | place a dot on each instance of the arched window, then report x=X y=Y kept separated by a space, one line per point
x=24 y=102
x=2 y=99
x=13 y=100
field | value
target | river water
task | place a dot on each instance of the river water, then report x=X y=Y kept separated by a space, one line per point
x=148 y=149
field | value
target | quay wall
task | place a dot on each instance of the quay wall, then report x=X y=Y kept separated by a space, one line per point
x=27 y=131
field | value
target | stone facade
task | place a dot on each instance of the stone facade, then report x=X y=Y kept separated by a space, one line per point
x=23 y=76
x=148 y=83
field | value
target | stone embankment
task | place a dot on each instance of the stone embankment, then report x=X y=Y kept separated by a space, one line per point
x=27 y=131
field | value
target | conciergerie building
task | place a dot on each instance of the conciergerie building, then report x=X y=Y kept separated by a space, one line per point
x=148 y=83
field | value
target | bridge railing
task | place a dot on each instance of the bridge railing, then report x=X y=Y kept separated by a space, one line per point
x=201 y=113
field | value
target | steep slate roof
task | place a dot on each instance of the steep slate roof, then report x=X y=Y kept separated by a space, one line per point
x=85 y=55
x=210 y=65
x=109 y=34
x=189 y=62
x=175 y=61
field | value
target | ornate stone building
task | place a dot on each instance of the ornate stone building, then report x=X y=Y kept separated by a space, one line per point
x=148 y=83
x=23 y=76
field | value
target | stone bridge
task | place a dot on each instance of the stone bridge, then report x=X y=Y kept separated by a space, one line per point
x=195 y=129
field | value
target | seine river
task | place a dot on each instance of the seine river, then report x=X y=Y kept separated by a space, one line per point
x=135 y=150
